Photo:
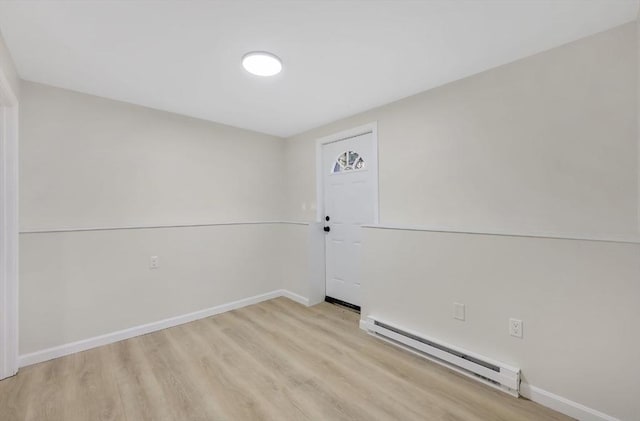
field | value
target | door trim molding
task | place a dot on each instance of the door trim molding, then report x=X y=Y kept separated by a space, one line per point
x=8 y=229
x=336 y=137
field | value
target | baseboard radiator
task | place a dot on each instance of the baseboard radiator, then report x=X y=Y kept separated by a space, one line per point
x=485 y=370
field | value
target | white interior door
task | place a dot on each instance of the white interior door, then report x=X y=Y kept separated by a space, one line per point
x=349 y=171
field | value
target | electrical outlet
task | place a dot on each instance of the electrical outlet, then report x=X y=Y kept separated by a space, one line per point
x=458 y=311
x=515 y=328
x=154 y=262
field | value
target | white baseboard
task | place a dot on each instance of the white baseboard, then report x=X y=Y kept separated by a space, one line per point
x=563 y=405
x=295 y=297
x=109 y=338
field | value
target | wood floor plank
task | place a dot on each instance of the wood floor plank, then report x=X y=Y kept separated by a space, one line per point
x=178 y=382
x=268 y=392
x=140 y=392
x=276 y=360
x=362 y=382
x=50 y=386
x=245 y=391
x=89 y=389
x=297 y=376
x=15 y=393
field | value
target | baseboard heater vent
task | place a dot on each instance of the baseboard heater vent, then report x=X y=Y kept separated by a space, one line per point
x=493 y=373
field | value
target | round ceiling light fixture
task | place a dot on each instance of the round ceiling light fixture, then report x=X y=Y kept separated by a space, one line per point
x=261 y=63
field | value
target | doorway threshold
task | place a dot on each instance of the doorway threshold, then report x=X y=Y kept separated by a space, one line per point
x=343 y=304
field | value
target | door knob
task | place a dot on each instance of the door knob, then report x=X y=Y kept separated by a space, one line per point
x=327 y=229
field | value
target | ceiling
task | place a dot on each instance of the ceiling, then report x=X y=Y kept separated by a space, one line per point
x=340 y=57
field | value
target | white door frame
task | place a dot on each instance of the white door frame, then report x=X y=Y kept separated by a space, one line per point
x=356 y=131
x=8 y=229
x=319 y=257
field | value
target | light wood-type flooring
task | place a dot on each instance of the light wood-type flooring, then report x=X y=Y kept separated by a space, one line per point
x=276 y=360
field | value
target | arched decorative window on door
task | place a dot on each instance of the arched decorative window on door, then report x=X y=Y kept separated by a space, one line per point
x=348 y=161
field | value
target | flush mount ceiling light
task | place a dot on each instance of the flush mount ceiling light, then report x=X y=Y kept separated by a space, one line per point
x=261 y=63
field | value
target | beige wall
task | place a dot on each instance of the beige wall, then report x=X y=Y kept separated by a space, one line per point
x=303 y=266
x=295 y=259
x=546 y=144
x=578 y=301
x=94 y=162
x=78 y=285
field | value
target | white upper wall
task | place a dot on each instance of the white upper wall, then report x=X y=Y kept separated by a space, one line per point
x=92 y=162
x=547 y=144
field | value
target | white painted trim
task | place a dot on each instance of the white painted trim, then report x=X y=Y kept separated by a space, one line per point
x=295 y=297
x=8 y=229
x=109 y=338
x=563 y=405
x=336 y=137
x=441 y=229
x=139 y=227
